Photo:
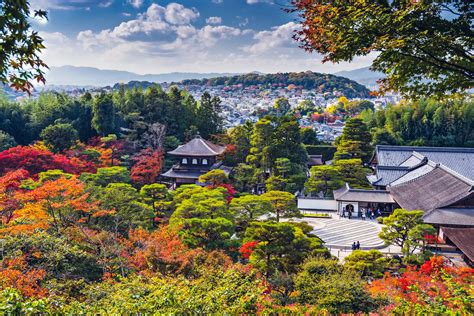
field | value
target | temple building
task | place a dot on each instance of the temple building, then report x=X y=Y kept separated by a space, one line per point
x=195 y=158
x=436 y=180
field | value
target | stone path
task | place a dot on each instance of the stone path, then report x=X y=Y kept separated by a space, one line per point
x=341 y=233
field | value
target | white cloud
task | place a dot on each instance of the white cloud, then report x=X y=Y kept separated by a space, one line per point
x=136 y=3
x=63 y=4
x=214 y=20
x=217 y=1
x=278 y=36
x=259 y=1
x=176 y=13
x=106 y=4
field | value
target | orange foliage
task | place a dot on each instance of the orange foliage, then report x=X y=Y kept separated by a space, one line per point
x=12 y=274
x=59 y=203
x=159 y=251
x=9 y=185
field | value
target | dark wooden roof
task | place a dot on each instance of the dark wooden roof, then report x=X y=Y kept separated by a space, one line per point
x=346 y=193
x=450 y=216
x=198 y=147
x=315 y=160
x=463 y=238
x=460 y=160
x=437 y=188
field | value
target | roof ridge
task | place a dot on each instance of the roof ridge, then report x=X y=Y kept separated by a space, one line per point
x=412 y=180
x=443 y=167
x=205 y=144
x=425 y=148
x=456 y=174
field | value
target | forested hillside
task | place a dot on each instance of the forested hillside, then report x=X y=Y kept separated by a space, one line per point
x=321 y=83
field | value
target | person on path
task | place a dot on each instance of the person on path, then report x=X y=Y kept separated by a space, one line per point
x=358 y=245
x=354 y=246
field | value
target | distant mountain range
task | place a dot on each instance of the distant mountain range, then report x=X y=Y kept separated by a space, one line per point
x=363 y=76
x=88 y=76
x=94 y=77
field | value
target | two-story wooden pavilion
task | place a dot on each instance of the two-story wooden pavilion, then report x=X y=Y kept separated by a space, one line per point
x=195 y=158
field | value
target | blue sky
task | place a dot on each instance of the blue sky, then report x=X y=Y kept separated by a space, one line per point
x=147 y=36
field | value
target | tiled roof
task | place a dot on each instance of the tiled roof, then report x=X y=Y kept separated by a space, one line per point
x=198 y=147
x=346 y=193
x=450 y=216
x=462 y=238
x=315 y=160
x=437 y=188
x=183 y=175
x=460 y=160
x=387 y=174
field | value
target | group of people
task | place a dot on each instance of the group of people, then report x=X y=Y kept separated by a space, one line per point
x=356 y=245
x=370 y=212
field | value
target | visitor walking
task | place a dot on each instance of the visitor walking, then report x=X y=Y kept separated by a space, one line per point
x=358 y=245
x=354 y=246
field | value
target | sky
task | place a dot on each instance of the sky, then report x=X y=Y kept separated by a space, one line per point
x=158 y=36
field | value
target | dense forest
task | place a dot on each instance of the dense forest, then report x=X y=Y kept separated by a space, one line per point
x=128 y=113
x=320 y=83
x=425 y=122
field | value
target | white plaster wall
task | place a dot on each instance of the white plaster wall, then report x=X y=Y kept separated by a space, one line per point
x=315 y=204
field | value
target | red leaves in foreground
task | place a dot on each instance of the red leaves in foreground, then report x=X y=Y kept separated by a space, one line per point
x=433 y=283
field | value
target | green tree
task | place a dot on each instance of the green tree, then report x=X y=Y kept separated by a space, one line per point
x=327 y=285
x=309 y=136
x=239 y=137
x=283 y=204
x=324 y=179
x=214 y=177
x=281 y=106
x=6 y=141
x=425 y=47
x=260 y=155
x=103 y=119
x=155 y=195
x=208 y=115
x=128 y=212
x=275 y=183
x=371 y=263
x=354 y=141
x=405 y=229
x=281 y=246
x=248 y=208
x=208 y=233
x=105 y=176
x=380 y=136
x=243 y=175
x=353 y=172
x=20 y=61
x=59 y=137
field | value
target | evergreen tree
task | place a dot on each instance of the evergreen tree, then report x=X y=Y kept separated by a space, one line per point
x=103 y=119
x=354 y=141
